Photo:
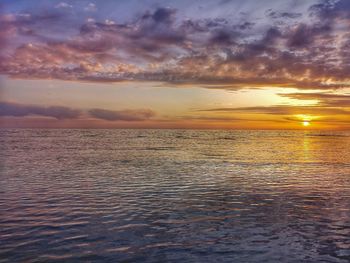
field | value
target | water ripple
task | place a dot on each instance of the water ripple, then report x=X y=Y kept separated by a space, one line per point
x=174 y=196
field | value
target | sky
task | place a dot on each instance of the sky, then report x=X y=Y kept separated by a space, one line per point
x=218 y=64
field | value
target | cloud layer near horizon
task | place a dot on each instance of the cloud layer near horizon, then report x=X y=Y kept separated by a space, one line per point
x=304 y=50
x=9 y=109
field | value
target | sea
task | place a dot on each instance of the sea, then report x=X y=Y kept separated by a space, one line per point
x=119 y=195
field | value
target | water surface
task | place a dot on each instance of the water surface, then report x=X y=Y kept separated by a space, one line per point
x=174 y=196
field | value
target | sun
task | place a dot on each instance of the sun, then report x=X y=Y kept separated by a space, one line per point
x=306 y=123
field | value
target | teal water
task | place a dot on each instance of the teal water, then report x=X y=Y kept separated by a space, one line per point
x=174 y=196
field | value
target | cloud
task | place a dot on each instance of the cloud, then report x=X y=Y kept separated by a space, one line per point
x=324 y=99
x=283 y=110
x=331 y=10
x=282 y=15
x=11 y=109
x=161 y=45
x=329 y=108
x=163 y=15
x=63 y=5
x=91 y=7
x=227 y=119
x=125 y=115
x=22 y=110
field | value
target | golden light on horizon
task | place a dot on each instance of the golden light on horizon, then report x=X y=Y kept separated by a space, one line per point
x=305 y=119
x=306 y=123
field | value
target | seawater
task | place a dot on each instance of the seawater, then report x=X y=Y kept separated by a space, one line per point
x=174 y=196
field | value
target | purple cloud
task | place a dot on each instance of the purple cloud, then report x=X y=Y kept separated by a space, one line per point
x=308 y=50
x=22 y=110
x=124 y=115
x=11 y=109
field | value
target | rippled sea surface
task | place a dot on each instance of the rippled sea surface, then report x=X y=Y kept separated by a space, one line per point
x=174 y=196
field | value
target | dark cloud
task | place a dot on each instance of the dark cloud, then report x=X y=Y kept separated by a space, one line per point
x=163 y=15
x=11 y=109
x=223 y=37
x=246 y=25
x=21 y=110
x=282 y=15
x=330 y=9
x=160 y=45
x=125 y=115
x=303 y=35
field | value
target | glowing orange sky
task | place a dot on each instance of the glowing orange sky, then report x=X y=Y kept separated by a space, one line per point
x=220 y=64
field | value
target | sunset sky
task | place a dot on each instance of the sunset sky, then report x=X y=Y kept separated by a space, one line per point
x=252 y=64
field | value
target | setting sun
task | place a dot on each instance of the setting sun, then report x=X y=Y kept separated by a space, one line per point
x=306 y=123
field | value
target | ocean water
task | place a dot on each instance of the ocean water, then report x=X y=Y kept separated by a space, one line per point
x=174 y=196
